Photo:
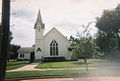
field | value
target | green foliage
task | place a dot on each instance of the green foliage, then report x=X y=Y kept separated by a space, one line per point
x=86 y=48
x=109 y=25
x=73 y=39
x=106 y=42
x=12 y=48
x=13 y=54
x=10 y=37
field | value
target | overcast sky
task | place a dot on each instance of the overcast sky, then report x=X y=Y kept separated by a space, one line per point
x=66 y=15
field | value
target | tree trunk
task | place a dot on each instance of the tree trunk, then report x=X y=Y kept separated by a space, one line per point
x=85 y=61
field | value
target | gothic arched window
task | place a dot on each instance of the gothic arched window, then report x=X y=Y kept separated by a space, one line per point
x=38 y=49
x=54 y=48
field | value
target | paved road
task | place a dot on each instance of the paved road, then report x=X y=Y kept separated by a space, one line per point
x=79 y=79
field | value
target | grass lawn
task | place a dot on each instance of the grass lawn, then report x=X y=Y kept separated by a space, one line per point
x=52 y=73
x=43 y=73
x=71 y=64
x=17 y=64
x=104 y=67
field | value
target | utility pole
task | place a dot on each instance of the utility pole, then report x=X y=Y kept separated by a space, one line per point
x=5 y=23
x=0 y=38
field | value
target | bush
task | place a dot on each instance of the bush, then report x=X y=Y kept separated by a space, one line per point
x=22 y=59
x=53 y=59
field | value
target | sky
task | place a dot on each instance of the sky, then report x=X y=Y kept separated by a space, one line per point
x=67 y=16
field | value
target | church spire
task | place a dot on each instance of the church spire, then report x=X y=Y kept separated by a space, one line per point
x=39 y=20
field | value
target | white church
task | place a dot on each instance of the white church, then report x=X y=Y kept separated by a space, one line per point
x=52 y=44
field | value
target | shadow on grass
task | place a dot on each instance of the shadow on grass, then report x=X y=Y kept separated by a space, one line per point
x=47 y=77
x=16 y=63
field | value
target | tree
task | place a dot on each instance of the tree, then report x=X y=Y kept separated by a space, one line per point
x=109 y=24
x=13 y=54
x=106 y=42
x=10 y=37
x=73 y=39
x=12 y=47
x=85 y=47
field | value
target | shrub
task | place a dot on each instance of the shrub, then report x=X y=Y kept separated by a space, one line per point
x=53 y=59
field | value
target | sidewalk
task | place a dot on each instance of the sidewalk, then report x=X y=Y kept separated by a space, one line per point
x=25 y=68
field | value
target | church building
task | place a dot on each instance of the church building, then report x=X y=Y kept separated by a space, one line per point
x=52 y=44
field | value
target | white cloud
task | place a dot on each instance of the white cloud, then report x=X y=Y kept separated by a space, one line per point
x=23 y=32
x=66 y=15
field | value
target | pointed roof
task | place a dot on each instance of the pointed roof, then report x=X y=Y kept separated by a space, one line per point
x=57 y=31
x=39 y=20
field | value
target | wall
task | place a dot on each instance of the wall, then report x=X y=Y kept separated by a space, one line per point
x=39 y=41
x=26 y=56
x=63 y=44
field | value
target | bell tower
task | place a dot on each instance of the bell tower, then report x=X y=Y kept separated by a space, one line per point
x=39 y=38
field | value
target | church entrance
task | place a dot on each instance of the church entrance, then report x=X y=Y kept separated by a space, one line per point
x=32 y=57
x=53 y=48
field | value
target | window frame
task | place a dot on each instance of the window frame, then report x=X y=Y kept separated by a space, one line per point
x=54 y=48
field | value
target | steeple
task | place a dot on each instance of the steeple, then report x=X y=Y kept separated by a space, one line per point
x=39 y=22
x=39 y=19
x=39 y=36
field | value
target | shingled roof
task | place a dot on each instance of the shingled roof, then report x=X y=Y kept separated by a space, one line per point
x=26 y=49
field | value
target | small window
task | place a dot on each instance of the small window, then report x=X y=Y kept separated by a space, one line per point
x=21 y=55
